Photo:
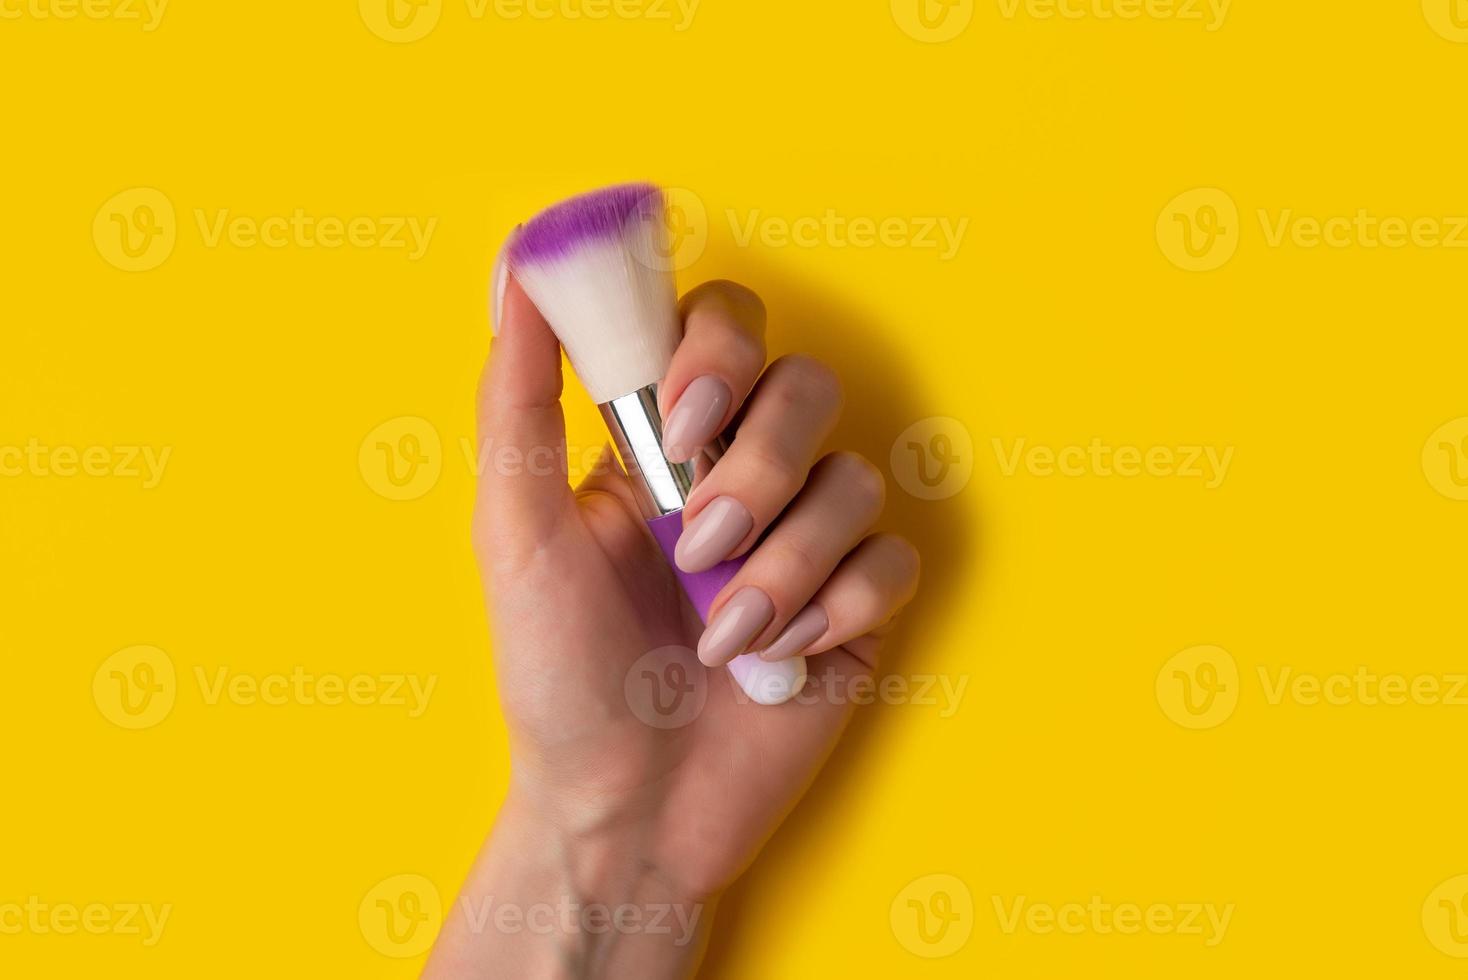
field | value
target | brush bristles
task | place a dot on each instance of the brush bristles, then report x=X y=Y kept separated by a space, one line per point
x=595 y=266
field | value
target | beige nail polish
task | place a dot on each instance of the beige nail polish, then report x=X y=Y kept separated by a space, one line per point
x=499 y=280
x=713 y=535
x=694 y=419
x=807 y=627
x=736 y=625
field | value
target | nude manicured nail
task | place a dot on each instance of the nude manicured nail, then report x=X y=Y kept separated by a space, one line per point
x=499 y=279
x=738 y=623
x=713 y=535
x=694 y=419
x=801 y=632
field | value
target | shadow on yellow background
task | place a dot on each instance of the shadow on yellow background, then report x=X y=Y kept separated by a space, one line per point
x=880 y=395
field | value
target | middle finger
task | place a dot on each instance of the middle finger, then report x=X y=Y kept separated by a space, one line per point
x=793 y=409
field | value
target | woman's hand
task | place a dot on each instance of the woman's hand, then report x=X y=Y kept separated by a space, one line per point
x=642 y=779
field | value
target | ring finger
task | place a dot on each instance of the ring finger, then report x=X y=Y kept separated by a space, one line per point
x=837 y=507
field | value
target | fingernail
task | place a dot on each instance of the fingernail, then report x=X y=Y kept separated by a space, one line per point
x=713 y=535
x=739 y=622
x=802 y=631
x=694 y=419
x=498 y=280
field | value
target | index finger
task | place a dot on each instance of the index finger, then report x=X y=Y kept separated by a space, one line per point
x=715 y=366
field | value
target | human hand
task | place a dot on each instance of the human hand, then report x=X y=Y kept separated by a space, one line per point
x=609 y=805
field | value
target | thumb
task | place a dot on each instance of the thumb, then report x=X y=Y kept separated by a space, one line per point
x=523 y=488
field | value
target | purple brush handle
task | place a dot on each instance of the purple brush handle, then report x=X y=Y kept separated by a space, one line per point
x=764 y=682
x=702 y=587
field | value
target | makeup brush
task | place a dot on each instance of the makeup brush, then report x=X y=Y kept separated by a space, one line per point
x=597 y=268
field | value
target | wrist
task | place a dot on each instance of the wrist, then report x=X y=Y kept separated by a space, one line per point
x=564 y=892
x=598 y=854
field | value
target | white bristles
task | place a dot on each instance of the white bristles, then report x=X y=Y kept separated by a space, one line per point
x=614 y=309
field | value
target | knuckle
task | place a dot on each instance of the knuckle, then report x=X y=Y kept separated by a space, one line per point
x=796 y=563
x=813 y=378
x=859 y=477
x=732 y=324
x=735 y=298
x=745 y=350
x=739 y=296
x=771 y=475
x=865 y=599
x=904 y=560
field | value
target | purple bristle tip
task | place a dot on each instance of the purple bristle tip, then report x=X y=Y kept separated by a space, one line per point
x=561 y=228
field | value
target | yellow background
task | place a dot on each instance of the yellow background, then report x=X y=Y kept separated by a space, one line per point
x=1058 y=599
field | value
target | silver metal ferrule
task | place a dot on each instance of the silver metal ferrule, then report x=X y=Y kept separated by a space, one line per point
x=636 y=426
